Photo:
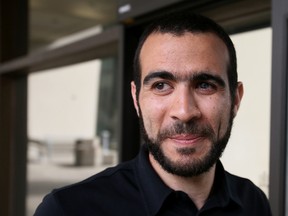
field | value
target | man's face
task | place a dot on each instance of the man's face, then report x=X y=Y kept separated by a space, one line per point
x=184 y=102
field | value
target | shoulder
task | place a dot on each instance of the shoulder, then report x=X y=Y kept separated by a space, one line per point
x=105 y=187
x=242 y=185
x=247 y=194
x=110 y=177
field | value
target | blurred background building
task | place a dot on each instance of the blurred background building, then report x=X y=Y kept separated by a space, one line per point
x=65 y=105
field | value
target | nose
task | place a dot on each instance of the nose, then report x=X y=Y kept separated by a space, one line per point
x=184 y=106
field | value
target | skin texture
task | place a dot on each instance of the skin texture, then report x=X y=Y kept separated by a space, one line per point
x=184 y=82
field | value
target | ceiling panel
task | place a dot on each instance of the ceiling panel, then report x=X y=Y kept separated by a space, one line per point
x=54 y=19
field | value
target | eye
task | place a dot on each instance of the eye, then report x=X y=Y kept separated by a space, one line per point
x=161 y=87
x=206 y=87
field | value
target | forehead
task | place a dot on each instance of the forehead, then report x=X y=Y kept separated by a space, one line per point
x=186 y=53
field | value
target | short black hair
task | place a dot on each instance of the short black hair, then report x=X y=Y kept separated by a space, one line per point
x=180 y=23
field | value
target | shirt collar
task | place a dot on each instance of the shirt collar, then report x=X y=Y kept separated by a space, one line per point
x=154 y=192
x=223 y=192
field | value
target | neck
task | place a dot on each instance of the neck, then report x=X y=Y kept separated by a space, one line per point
x=198 y=188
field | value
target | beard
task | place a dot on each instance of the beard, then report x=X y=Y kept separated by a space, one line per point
x=192 y=167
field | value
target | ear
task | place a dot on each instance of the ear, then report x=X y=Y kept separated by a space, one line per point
x=238 y=97
x=133 y=92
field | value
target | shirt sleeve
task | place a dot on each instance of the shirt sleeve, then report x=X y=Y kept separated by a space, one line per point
x=49 y=207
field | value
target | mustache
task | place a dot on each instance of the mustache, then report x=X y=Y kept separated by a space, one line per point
x=177 y=128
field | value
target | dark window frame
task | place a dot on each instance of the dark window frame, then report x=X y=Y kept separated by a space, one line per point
x=278 y=141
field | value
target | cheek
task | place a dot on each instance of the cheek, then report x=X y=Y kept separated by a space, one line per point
x=153 y=114
x=218 y=114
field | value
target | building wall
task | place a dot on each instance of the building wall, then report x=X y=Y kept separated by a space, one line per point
x=247 y=153
x=62 y=102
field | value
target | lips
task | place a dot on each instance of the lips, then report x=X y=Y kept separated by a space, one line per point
x=187 y=139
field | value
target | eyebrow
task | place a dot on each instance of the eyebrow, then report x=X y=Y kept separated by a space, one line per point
x=159 y=74
x=199 y=76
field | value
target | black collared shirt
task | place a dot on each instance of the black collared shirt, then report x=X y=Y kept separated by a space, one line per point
x=134 y=189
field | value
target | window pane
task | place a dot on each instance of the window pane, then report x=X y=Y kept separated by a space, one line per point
x=73 y=118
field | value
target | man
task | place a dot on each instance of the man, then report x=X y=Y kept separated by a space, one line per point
x=186 y=94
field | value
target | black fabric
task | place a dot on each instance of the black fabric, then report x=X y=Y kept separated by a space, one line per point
x=134 y=189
